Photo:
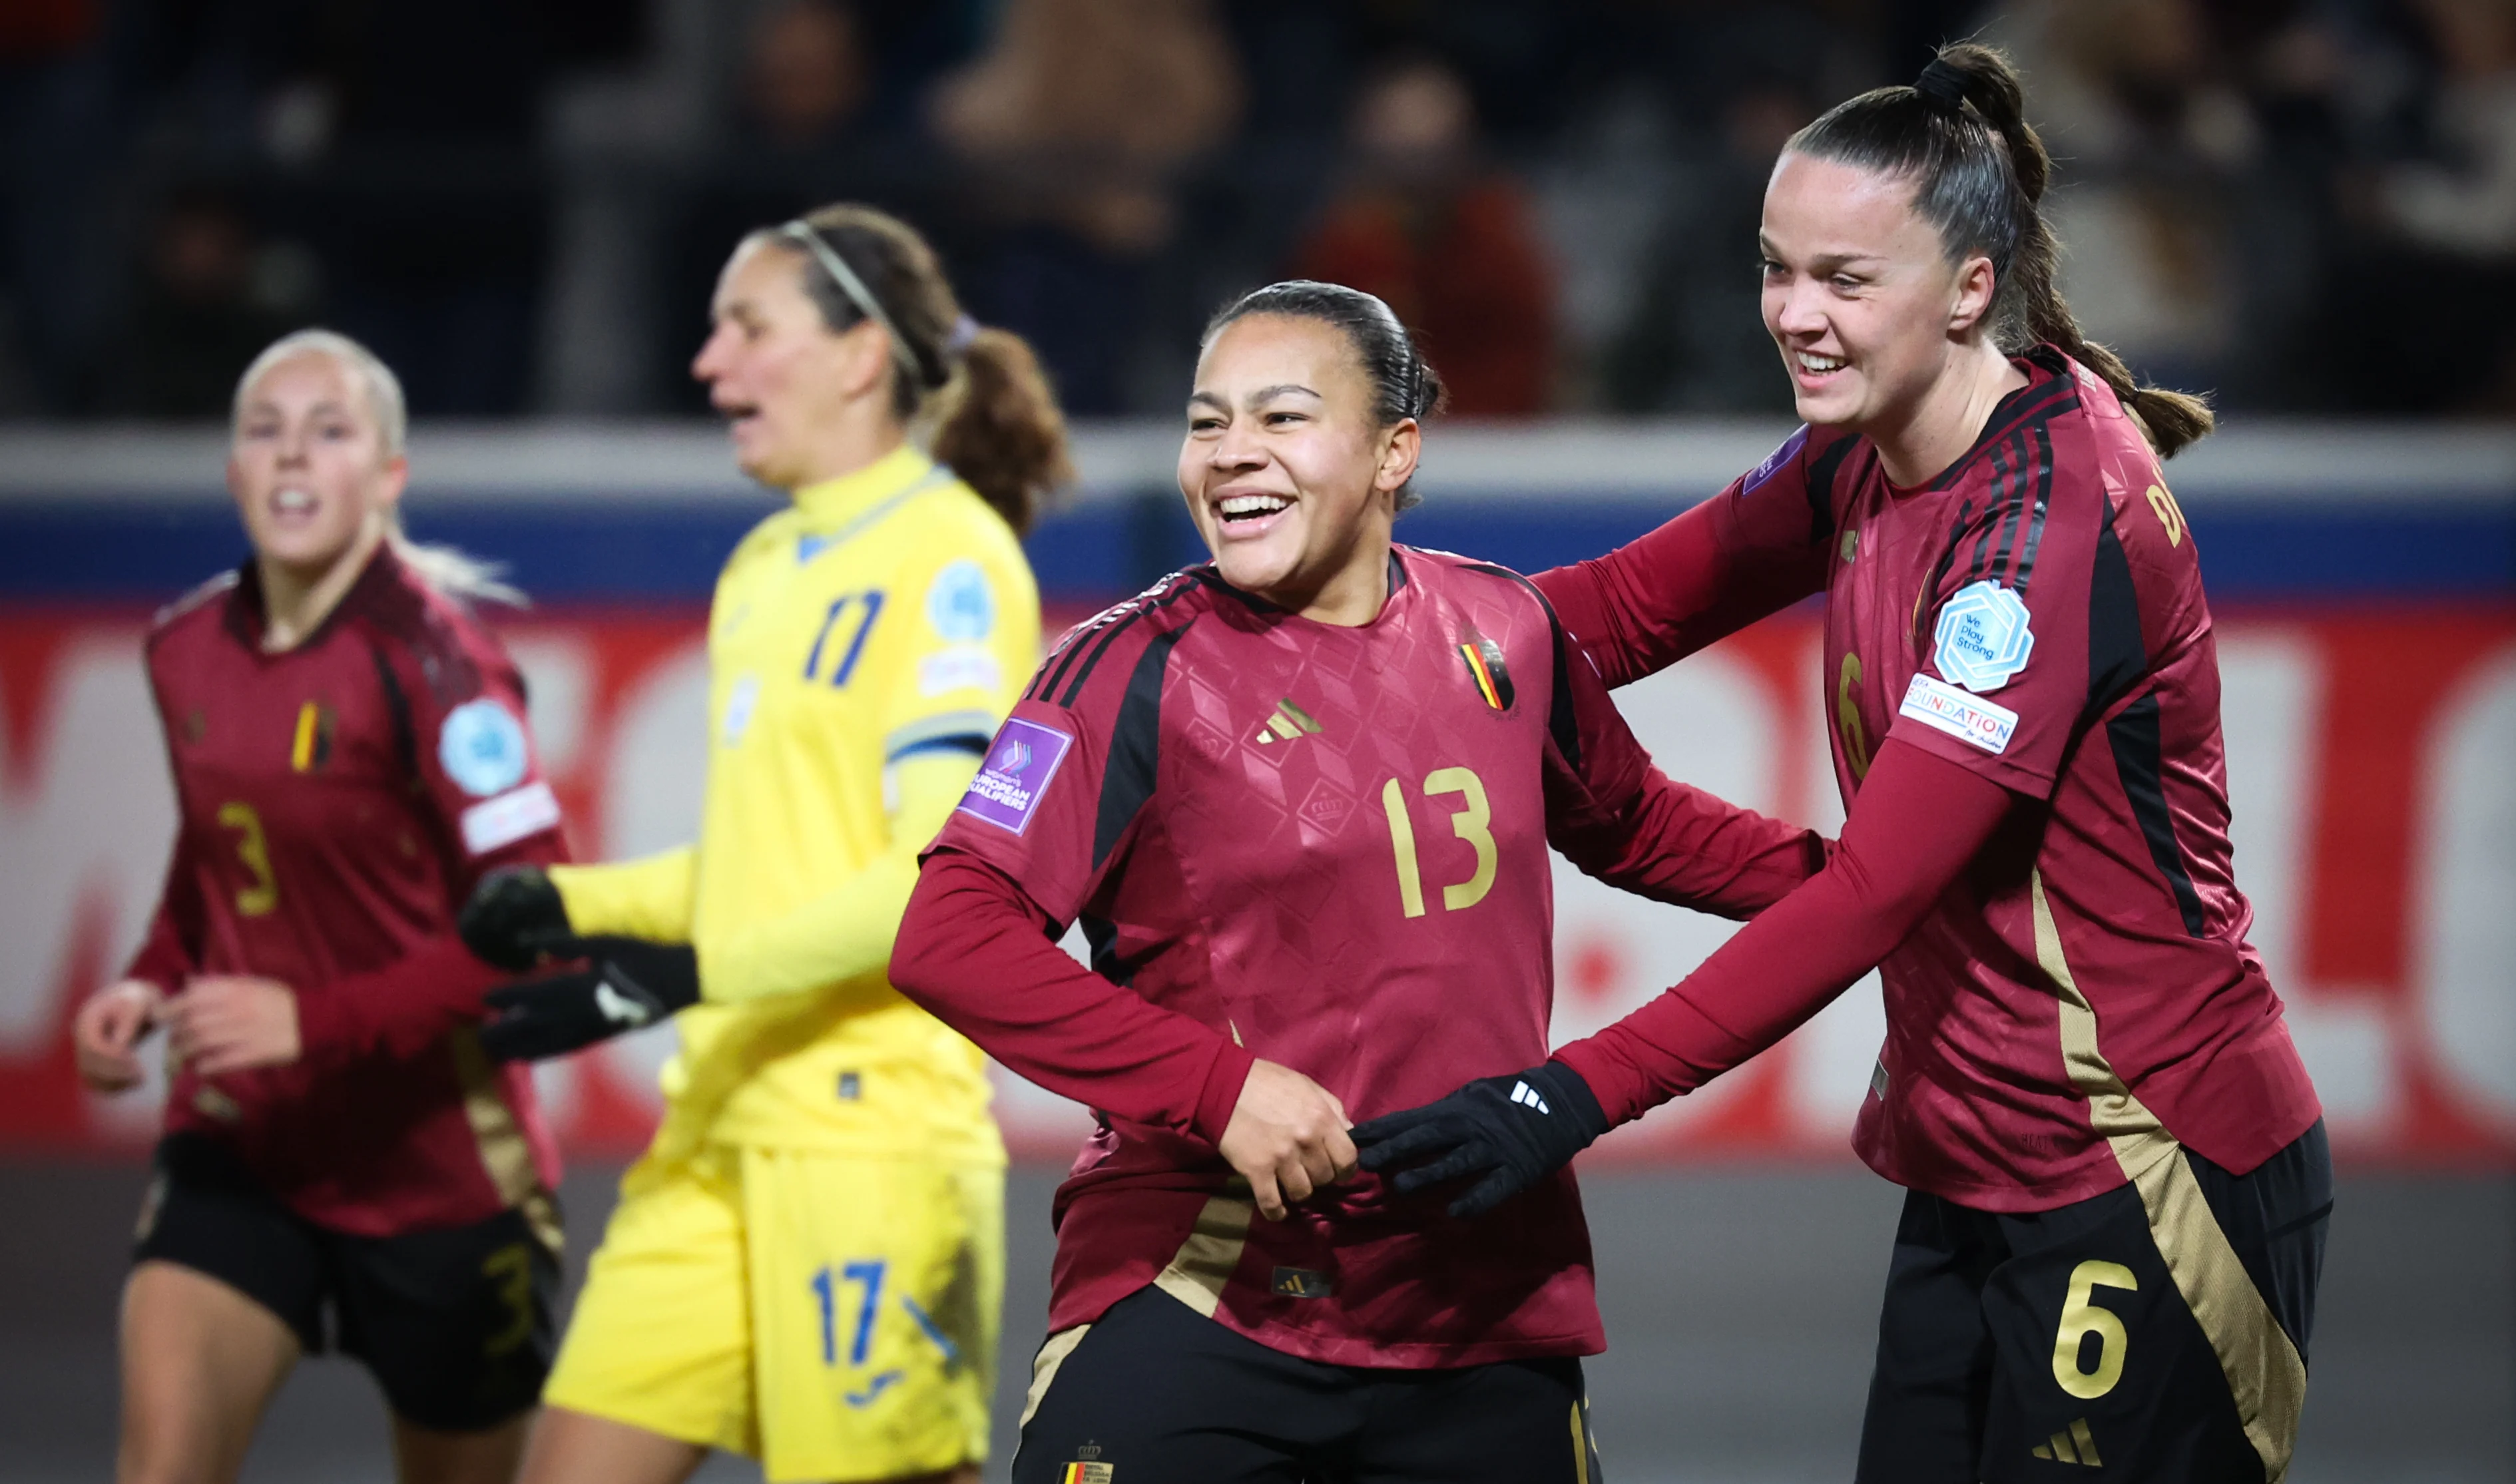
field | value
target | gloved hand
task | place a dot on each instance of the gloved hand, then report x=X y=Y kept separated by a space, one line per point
x=515 y=917
x=629 y=985
x=1506 y=1133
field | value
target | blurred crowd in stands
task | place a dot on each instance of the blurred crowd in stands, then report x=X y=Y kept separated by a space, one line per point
x=2304 y=205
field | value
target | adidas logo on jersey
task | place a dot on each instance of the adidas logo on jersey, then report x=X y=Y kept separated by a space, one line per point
x=1288 y=722
x=1527 y=1096
x=2074 y=1444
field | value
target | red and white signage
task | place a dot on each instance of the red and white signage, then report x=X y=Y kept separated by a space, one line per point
x=2372 y=754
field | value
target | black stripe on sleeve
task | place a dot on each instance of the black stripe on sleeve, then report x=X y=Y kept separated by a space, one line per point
x=2134 y=736
x=2004 y=551
x=2001 y=490
x=1150 y=606
x=1135 y=746
x=1821 y=489
x=2043 y=504
x=2117 y=657
x=1927 y=601
x=1083 y=671
x=1044 y=679
x=398 y=706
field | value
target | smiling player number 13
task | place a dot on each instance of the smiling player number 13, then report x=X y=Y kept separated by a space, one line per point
x=1469 y=823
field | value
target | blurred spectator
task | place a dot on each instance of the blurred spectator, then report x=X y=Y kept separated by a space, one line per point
x=211 y=297
x=2458 y=209
x=57 y=130
x=2417 y=306
x=804 y=75
x=1696 y=341
x=1449 y=242
x=1073 y=127
x=428 y=198
x=2152 y=137
x=799 y=135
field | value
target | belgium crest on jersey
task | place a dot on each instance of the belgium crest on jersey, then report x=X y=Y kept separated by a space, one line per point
x=1486 y=668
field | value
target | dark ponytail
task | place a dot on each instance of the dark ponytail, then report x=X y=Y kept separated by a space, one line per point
x=996 y=423
x=1403 y=383
x=1980 y=173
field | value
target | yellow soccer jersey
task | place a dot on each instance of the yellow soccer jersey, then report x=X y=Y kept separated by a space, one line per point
x=863 y=647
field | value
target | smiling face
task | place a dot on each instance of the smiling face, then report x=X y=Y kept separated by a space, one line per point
x=1860 y=294
x=1287 y=474
x=307 y=464
x=773 y=369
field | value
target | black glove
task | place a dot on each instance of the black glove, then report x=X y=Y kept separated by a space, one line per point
x=515 y=917
x=1512 y=1130
x=630 y=985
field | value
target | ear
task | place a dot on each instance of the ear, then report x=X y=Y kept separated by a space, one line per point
x=391 y=481
x=864 y=360
x=1397 y=457
x=1976 y=285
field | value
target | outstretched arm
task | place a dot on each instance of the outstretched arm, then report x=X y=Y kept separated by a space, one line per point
x=1916 y=825
x=979 y=955
x=1620 y=819
x=1916 y=822
x=1755 y=548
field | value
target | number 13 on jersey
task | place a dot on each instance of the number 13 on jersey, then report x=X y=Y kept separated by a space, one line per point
x=1469 y=823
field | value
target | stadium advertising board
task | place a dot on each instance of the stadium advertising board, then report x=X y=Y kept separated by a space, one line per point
x=2374 y=792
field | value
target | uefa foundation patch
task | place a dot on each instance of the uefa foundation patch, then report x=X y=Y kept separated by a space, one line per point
x=1970 y=719
x=1009 y=785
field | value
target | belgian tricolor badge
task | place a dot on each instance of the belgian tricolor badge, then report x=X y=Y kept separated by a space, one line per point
x=311 y=746
x=1485 y=663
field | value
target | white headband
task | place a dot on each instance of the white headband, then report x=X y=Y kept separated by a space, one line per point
x=854 y=288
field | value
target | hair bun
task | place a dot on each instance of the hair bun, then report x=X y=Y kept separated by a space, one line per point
x=1942 y=87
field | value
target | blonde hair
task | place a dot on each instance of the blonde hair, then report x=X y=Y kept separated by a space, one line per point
x=446 y=570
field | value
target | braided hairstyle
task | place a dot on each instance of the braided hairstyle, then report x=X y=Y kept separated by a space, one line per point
x=1980 y=173
x=996 y=423
x=1403 y=383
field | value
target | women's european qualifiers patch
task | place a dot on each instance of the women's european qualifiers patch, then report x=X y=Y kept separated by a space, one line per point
x=1016 y=774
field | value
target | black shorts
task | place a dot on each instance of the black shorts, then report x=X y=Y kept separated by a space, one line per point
x=2158 y=1332
x=456 y=1325
x=1155 y=1392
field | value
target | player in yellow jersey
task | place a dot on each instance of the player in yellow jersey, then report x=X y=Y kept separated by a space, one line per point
x=806 y=1265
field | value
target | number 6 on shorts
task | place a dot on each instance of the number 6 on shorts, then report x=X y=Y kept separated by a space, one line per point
x=2080 y=1319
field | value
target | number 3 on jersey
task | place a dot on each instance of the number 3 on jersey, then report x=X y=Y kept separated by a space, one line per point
x=1469 y=824
x=866 y=607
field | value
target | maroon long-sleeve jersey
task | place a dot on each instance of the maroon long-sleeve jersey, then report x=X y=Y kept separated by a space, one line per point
x=1326 y=847
x=336 y=802
x=2033 y=614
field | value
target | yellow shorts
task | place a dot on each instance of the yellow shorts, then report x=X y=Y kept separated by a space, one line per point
x=833 y=1316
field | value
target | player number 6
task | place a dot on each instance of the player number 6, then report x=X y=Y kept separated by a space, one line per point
x=2080 y=1319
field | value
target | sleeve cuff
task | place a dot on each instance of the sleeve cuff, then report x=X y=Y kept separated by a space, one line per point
x=1221 y=1093
x=323 y=1026
x=1631 y=1076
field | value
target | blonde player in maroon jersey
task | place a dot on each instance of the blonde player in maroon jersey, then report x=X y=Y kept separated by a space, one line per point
x=1300 y=800
x=340 y=1158
x=2119 y=1178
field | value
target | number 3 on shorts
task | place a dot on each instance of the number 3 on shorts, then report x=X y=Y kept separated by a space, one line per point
x=2080 y=1319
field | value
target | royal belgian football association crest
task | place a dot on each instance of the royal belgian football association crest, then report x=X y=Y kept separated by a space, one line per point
x=1486 y=668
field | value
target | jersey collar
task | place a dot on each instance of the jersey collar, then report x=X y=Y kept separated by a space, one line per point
x=246 y=619
x=847 y=499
